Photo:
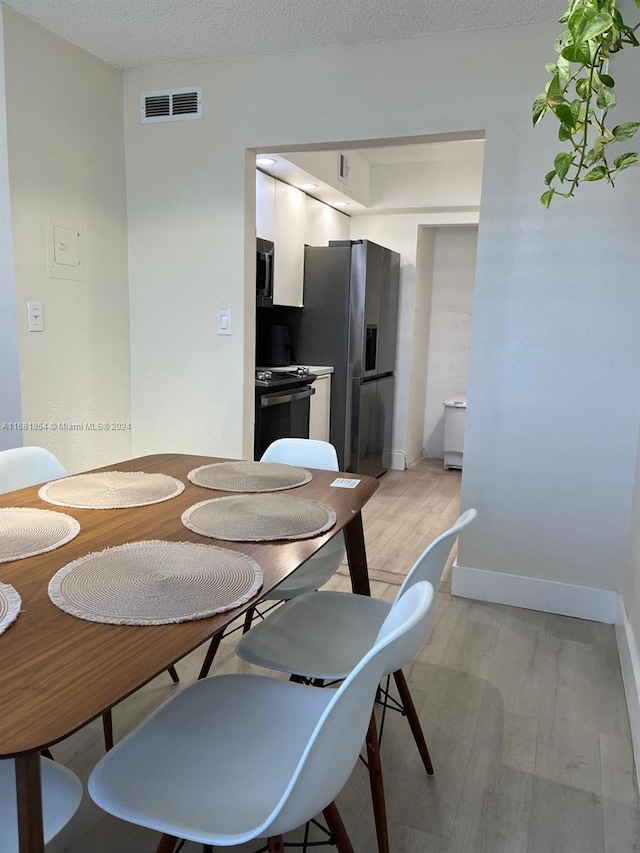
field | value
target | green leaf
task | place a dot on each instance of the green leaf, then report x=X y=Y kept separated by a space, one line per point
x=592 y=156
x=627 y=130
x=565 y=114
x=562 y=41
x=606 y=98
x=562 y=164
x=551 y=67
x=580 y=53
x=577 y=20
x=549 y=177
x=582 y=88
x=565 y=133
x=540 y=108
x=555 y=95
x=564 y=68
x=596 y=174
x=638 y=3
x=593 y=28
x=546 y=197
x=626 y=160
x=608 y=80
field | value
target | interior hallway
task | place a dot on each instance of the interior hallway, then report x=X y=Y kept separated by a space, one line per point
x=524 y=714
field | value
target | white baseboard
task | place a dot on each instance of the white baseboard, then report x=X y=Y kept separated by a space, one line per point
x=630 y=663
x=584 y=602
x=398 y=460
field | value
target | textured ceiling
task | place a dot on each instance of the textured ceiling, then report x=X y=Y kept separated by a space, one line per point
x=139 y=33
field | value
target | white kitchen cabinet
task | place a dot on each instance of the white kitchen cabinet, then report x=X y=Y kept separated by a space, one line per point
x=324 y=223
x=265 y=207
x=320 y=408
x=288 y=261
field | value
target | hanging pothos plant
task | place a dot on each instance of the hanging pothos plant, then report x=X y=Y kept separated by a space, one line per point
x=580 y=95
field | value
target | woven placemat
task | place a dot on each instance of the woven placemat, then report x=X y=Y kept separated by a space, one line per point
x=155 y=583
x=10 y=603
x=249 y=476
x=25 y=532
x=111 y=490
x=259 y=518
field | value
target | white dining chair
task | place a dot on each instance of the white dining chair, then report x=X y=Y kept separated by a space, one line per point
x=322 y=635
x=323 y=564
x=61 y=796
x=238 y=757
x=27 y=466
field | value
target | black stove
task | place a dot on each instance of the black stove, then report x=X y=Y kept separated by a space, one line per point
x=282 y=405
x=275 y=379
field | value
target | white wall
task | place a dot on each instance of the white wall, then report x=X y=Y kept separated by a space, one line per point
x=10 y=370
x=631 y=585
x=439 y=185
x=555 y=328
x=323 y=165
x=66 y=163
x=454 y=267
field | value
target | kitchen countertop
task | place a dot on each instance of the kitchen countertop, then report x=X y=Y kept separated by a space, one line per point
x=318 y=370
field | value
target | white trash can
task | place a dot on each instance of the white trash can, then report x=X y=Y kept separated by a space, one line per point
x=455 y=413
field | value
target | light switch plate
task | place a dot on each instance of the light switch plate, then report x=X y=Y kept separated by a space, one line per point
x=224 y=321
x=35 y=318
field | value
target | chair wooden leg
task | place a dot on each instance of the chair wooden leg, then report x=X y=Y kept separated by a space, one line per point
x=276 y=844
x=248 y=619
x=167 y=844
x=107 y=728
x=211 y=653
x=337 y=829
x=414 y=721
x=377 y=787
x=173 y=672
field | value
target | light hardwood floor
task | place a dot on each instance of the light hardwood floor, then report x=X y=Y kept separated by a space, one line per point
x=524 y=714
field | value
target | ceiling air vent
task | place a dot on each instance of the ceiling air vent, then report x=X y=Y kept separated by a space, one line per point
x=171 y=104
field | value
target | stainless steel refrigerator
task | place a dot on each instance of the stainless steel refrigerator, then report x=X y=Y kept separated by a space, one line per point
x=349 y=321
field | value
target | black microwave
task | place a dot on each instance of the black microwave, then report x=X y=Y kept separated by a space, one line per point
x=264 y=273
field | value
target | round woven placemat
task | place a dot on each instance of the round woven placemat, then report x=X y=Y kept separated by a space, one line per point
x=259 y=518
x=25 y=532
x=111 y=490
x=155 y=583
x=10 y=603
x=249 y=476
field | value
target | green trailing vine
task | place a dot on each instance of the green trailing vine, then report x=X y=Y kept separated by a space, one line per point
x=580 y=94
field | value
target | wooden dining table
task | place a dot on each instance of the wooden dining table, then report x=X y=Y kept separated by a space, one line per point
x=58 y=672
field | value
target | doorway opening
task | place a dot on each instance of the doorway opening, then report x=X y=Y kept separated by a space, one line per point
x=418 y=197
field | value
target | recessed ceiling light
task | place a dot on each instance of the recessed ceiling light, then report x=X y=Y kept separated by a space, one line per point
x=264 y=161
x=341 y=204
x=308 y=186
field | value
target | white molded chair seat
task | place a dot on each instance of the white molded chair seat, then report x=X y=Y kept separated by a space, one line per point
x=61 y=796
x=323 y=634
x=26 y=466
x=318 y=635
x=238 y=757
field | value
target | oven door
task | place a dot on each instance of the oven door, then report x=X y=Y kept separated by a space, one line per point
x=281 y=414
